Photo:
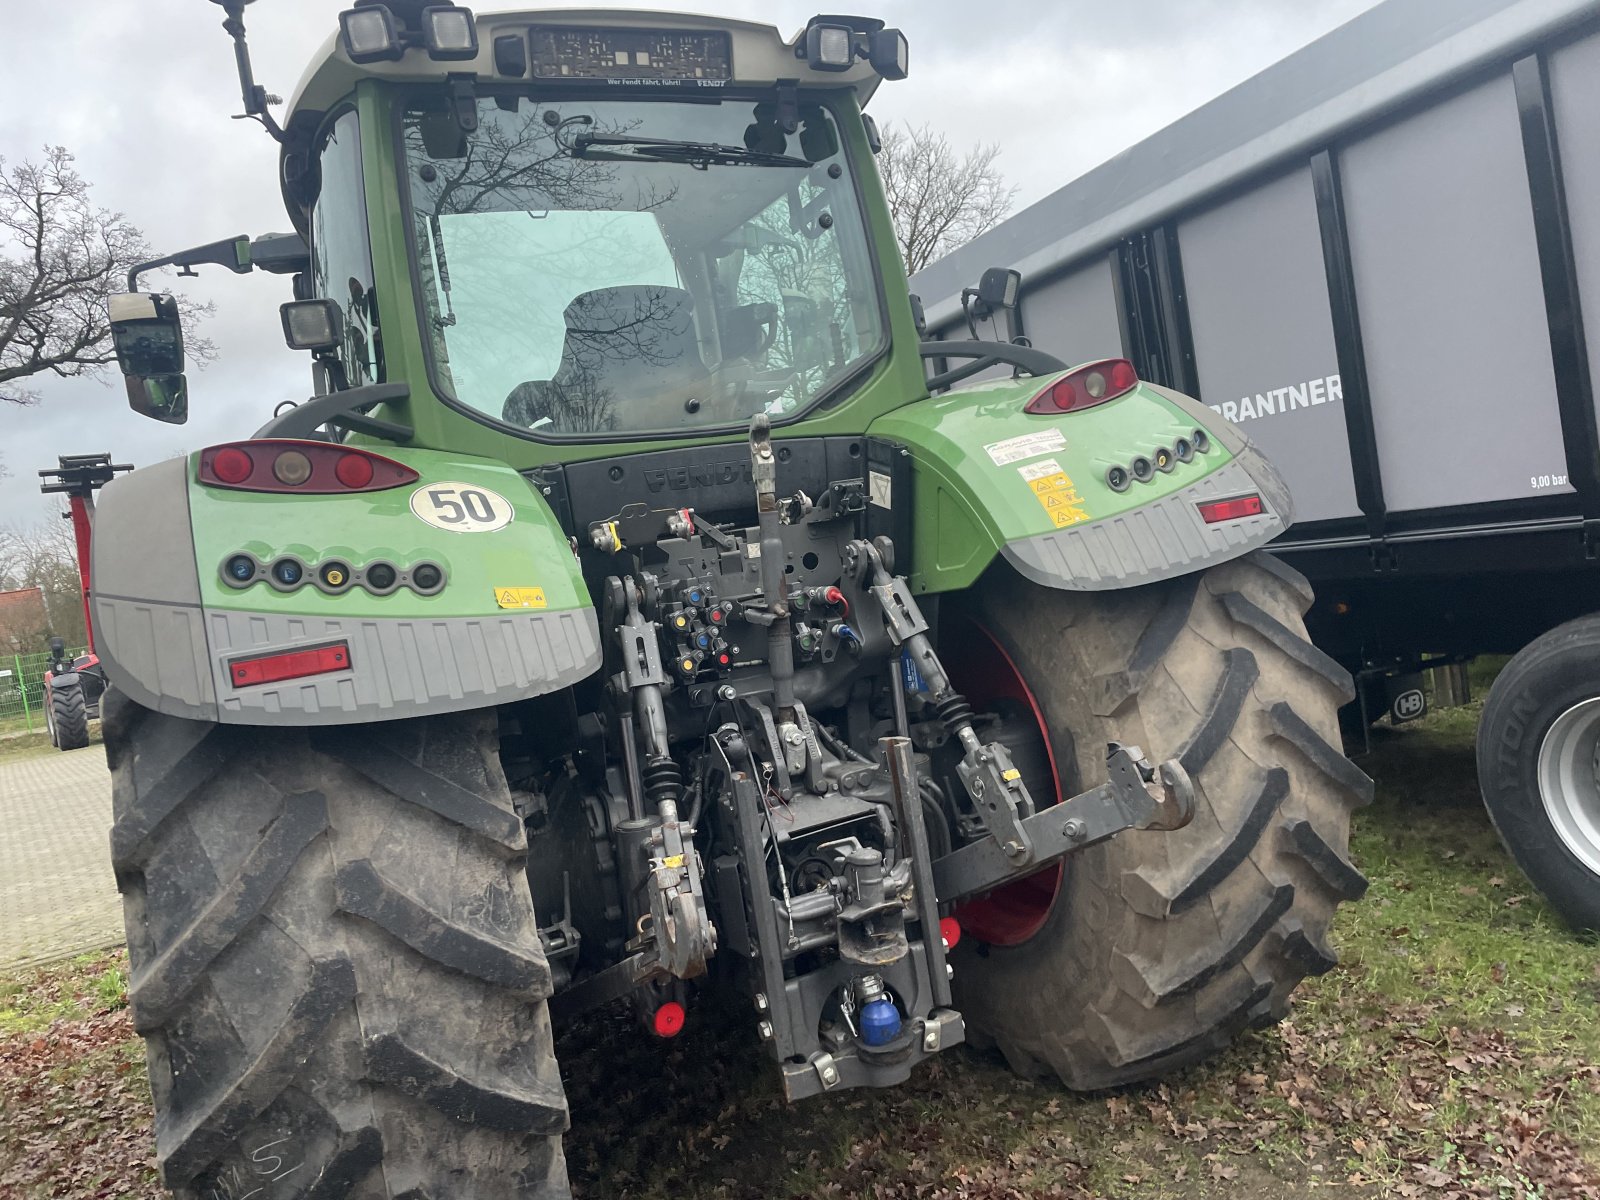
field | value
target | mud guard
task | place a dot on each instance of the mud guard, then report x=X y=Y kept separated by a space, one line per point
x=992 y=480
x=511 y=620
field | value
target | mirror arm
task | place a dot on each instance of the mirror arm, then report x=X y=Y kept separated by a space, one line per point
x=986 y=354
x=344 y=409
x=140 y=268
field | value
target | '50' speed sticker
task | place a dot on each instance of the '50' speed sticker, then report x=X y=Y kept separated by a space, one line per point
x=461 y=507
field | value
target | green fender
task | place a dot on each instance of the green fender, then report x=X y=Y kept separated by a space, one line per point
x=511 y=619
x=990 y=479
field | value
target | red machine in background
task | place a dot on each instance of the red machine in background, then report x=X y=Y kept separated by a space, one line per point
x=73 y=686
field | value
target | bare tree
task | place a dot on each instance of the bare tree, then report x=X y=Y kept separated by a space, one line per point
x=46 y=556
x=59 y=258
x=939 y=199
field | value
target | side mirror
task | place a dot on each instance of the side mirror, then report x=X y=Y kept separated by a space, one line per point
x=148 y=335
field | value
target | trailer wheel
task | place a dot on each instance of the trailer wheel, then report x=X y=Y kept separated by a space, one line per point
x=66 y=713
x=1152 y=950
x=1539 y=766
x=335 y=964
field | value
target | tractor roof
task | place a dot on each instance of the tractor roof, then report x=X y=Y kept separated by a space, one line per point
x=760 y=55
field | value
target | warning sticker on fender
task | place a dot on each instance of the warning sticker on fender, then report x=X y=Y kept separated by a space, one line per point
x=520 y=597
x=1055 y=492
x=1029 y=445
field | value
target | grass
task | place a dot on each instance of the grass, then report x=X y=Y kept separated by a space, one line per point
x=1452 y=1054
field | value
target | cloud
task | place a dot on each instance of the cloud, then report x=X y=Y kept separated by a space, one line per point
x=1060 y=86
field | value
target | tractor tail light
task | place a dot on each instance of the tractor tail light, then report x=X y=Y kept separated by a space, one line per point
x=309 y=468
x=1214 y=512
x=294 y=664
x=1086 y=387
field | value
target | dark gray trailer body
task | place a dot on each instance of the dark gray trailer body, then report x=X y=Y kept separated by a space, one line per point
x=1381 y=258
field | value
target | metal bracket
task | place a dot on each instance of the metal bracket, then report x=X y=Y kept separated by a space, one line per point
x=464 y=102
x=1135 y=796
x=827 y=1070
x=1001 y=798
x=683 y=936
x=901 y=616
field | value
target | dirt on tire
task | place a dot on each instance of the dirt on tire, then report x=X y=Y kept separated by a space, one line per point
x=1161 y=946
x=335 y=963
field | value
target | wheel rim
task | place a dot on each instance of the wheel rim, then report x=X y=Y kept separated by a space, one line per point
x=1569 y=780
x=1009 y=915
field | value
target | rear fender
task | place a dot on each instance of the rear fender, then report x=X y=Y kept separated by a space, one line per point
x=993 y=480
x=513 y=618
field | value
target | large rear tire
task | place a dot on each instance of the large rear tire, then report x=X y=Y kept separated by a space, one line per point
x=335 y=962
x=67 y=713
x=1158 y=947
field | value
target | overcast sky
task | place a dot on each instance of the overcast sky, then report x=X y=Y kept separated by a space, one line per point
x=141 y=91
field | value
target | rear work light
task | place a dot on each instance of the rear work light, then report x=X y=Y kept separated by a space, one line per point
x=1214 y=512
x=1086 y=387
x=312 y=468
x=294 y=664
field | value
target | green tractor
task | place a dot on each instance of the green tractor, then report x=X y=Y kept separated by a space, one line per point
x=631 y=617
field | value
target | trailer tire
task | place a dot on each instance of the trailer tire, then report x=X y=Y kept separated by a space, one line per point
x=1538 y=741
x=335 y=963
x=1158 y=947
x=66 y=713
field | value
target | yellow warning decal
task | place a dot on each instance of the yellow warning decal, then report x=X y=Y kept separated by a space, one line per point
x=1054 y=490
x=1011 y=775
x=520 y=597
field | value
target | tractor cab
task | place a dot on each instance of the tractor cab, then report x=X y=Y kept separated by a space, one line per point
x=541 y=235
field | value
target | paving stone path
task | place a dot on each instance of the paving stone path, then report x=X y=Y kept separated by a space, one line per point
x=57 y=893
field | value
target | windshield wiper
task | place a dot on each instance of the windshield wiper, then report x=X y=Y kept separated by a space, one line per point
x=698 y=154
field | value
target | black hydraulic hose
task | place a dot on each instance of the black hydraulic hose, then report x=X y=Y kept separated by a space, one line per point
x=838 y=746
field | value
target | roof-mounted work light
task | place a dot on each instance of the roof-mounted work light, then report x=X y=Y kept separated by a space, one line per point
x=834 y=43
x=830 y=47
x=889 y=53
x=379 y=31
x=450 y=32
x=371 y=34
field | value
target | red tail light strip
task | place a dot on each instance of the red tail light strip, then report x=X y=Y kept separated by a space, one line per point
x=295 y=664
x=255 y=467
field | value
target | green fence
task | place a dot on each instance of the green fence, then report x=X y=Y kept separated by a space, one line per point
x=22 y=691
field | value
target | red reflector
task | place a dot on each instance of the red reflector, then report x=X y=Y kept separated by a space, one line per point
x=1087 y=386
x=669 y=1018
x=950 y=931
x=232 y=465
x=1214 y=511
x=274 y=668
x=354 y=470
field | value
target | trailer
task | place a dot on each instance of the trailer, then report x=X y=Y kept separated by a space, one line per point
x=1381 y=258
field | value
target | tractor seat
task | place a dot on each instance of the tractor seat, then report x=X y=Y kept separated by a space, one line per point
x=623 y=347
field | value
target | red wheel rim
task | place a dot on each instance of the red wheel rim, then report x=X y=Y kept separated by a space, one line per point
x=980 y=667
